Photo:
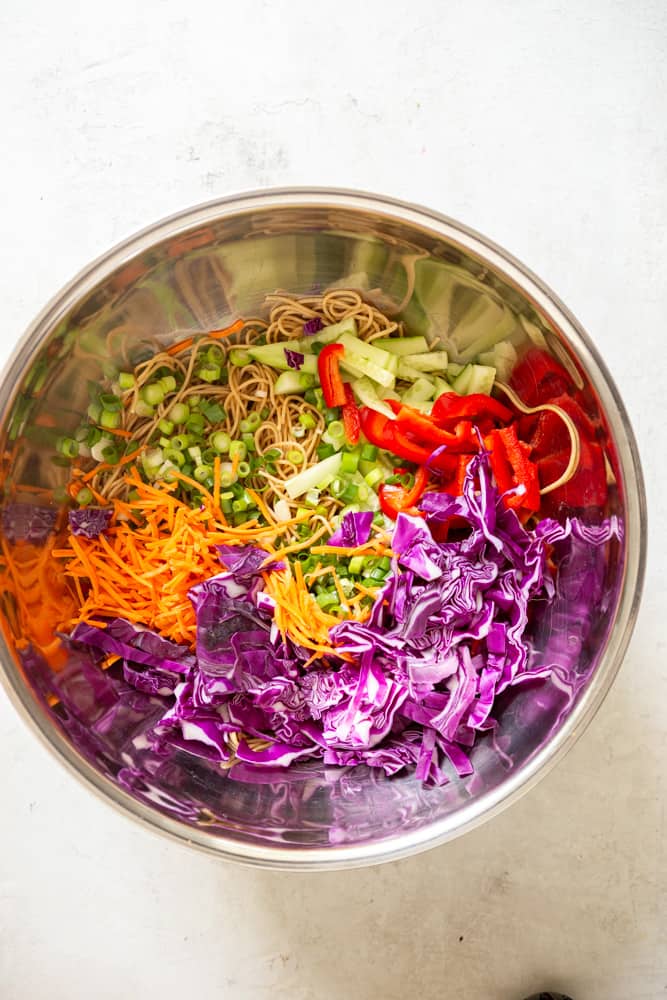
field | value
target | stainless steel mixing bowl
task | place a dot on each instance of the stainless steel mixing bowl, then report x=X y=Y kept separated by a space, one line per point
x=196 y=271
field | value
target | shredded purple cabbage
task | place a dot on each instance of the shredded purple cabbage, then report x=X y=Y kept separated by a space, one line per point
x=447 y=635
x=354 y=529
x=90 y=521
x=294 y=359
x=312 y=326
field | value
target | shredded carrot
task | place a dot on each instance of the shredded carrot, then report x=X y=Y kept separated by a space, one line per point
x=216 y=481
x=235 y=464
x=118 y=431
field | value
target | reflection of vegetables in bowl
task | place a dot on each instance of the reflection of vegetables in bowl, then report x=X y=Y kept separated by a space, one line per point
x=315 y=576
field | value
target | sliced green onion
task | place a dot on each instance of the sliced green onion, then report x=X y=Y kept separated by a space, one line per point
x=251 y=422
x=374 y=477
x=243 y=470
x=195 y=400
x=209 y=373
x=110 y=419
x=208 y=456
x=327 y=599
x=168 y=383
x=126 y=380
x=68 y=447
x=195 y=454
x=110 y=454
x=202 y=473
x=240 y=505
x=356 y=565
x=153 y=394
x=350 y=494
x=336 y=429
x=385 y=563
x=142 y=409
x=239 y=358
x=312 y=498
x=325 y=450
x=195 y=423
x=164 y=442
x=175 y=456
x=350 y=461
x=294 y=456
x=369 y=453
x=220 y=441
x=272 y=455
x=179 y=412
x=109 y=401
x=180 y=441
x=377 y=574
x=166 y=426
x=238 y=449
x=213 y=412
x=307 y=420
x=84 y=496
x=249 y=442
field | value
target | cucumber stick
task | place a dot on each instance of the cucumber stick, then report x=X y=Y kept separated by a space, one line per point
x=383 y=359
x=475 y=378
x=436 y=361
x=360 y=366
x=317 y=477
x=293 y=383
x=367 y=395
x=419 y=391
x=401 y=346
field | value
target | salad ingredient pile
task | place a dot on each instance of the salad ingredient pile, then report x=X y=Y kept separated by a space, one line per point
x=320 y=537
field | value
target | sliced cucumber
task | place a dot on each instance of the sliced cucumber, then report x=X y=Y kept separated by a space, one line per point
x=503 y=358
x=453 y=370
x=441 y=385
x=293 y=383
x=335 y=331
x=273 y=355
x=317 y=477
x=383 y=359
x=436 y=361
x=419 y=391
x=402 y=345
x=408 y=372
x=360 y=366
x=475 y=378
x=367 y=394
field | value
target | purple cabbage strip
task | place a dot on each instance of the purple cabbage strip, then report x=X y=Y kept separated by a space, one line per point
x=90 y=521
x=354 y=529
x=312 y=326
x=294 y=359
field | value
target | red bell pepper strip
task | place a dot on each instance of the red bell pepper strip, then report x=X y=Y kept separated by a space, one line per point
x=351 y=420
x=424 y=431
x=546 y=432
x=512 y=468
x=538 y=377
x=450 y=408
x=395 y=498
x=385 y=433
x=331 y=381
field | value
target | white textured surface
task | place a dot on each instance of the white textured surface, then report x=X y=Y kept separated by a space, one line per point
x=543 y=125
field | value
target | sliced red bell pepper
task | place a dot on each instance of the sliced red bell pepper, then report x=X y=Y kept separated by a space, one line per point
x=385 y=433
x=547 y=434
x=331 y=380
x=395 y=498
x=450 y=408
x=513 y=468
x=351 y=420
x=426 y=432
x=539 y=377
